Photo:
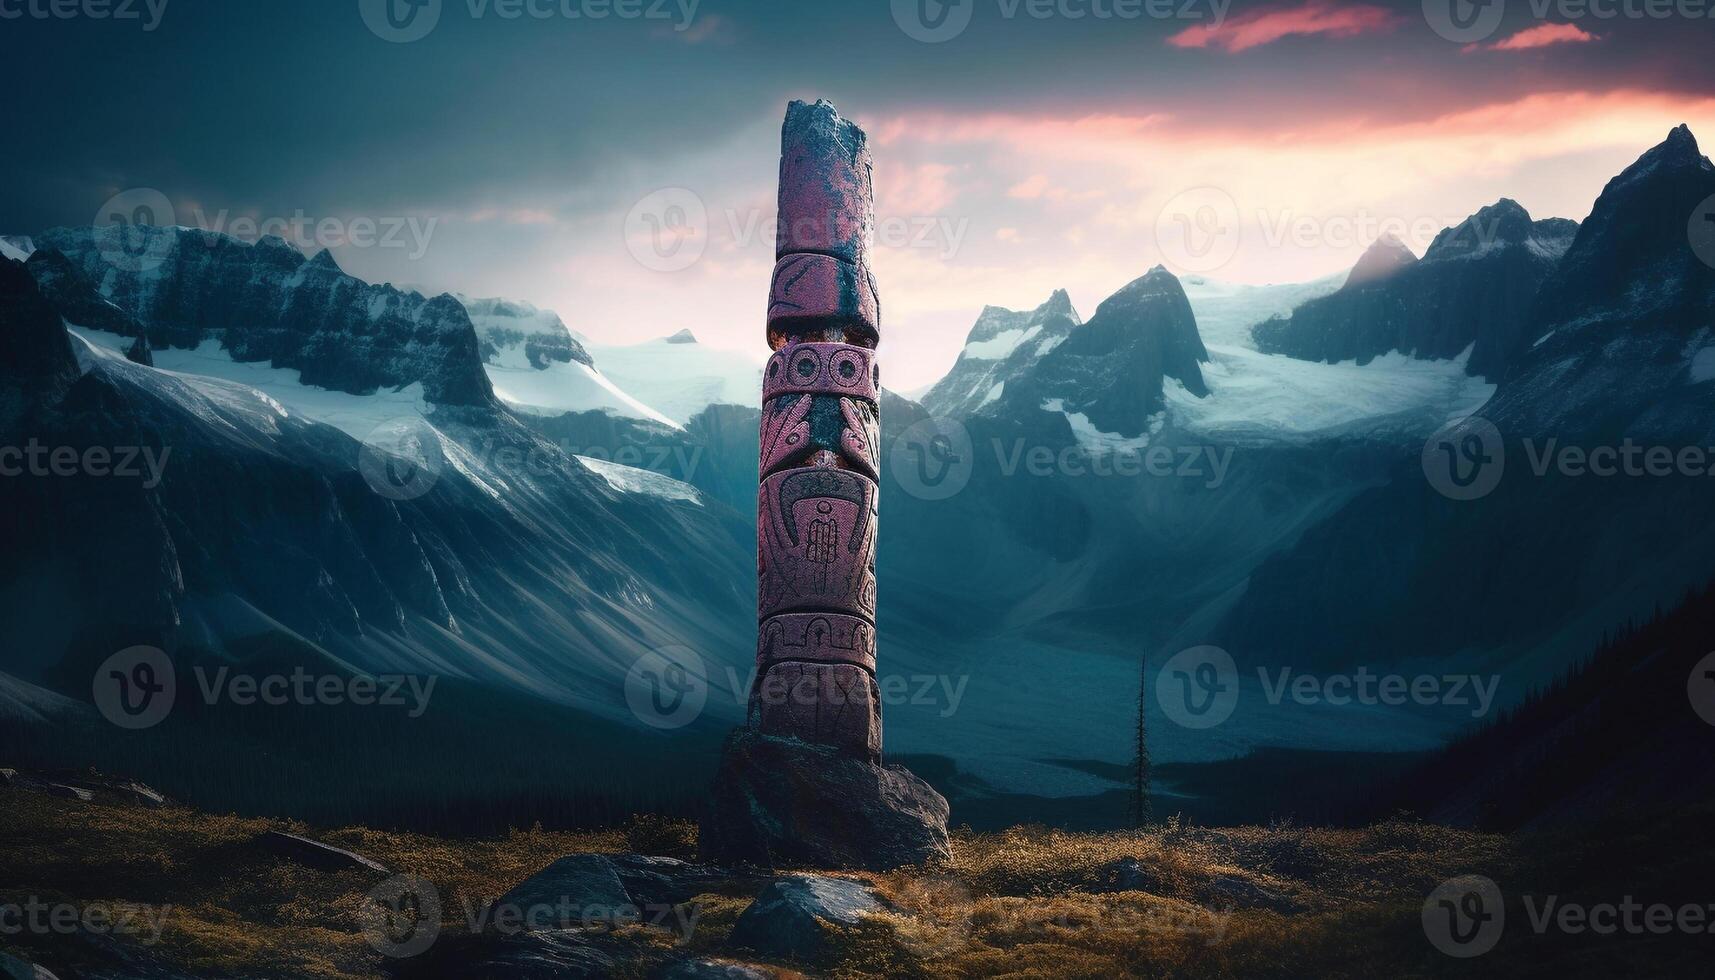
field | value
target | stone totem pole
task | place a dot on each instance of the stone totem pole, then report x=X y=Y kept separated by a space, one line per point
x=802 y=782
x=819 y=464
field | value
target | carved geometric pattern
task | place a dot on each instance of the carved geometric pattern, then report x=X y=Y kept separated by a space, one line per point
x=816 y=638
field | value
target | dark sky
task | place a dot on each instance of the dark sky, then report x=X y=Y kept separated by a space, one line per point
x=1051 y=133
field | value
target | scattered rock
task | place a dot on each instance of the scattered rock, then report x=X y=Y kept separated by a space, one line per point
x=715 y=970
x=788 y=801
x=140 y=794
x=69 y=792
x=576 y=890
x=1237 y=893
x=316 y=854
x=794 y=916
x=549 y=955
x=1128 y=875
x=656 y=881
x=6 y=776
x=13 y=968
x=139 y=352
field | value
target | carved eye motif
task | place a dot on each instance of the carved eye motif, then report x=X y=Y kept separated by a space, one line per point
x=806 y=367
x=846 y=369
x=774 y=368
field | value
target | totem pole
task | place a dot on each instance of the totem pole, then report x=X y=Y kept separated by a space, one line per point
x=819 y=464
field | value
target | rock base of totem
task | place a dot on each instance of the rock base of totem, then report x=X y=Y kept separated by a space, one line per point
x=782 y=802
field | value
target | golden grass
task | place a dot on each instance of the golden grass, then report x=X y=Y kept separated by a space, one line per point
x=1027 y=902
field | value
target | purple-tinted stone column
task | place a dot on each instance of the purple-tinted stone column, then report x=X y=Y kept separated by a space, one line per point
x=820 y=459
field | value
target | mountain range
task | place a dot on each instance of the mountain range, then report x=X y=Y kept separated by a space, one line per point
x=1282 y=503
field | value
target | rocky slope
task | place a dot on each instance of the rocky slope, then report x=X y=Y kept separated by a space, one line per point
x=1002 y=345
x=504 y=324
x=1531 y=573
x=1473 y=289
x=517 y=566
x=1111 y=369
x=267 y=302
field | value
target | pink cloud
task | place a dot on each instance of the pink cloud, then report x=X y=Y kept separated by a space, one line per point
x=1544 y=35
x=1266 y=26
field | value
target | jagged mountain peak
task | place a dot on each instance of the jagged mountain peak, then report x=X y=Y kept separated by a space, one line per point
x=684 y=336
x=1631 y=267
x=1385 y=256
x=1109 y=372
x=324 y=260
x=266 y=301
x=1677 y=153
x=1504 y=222
x=1001 y=344
x=1158 y=285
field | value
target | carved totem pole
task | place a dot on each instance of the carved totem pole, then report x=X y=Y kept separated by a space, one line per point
x=820 y=459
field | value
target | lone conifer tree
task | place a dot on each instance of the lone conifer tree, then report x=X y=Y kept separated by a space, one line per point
x=1141 y=810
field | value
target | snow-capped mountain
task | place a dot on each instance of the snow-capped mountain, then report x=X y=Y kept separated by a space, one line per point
x=1620 y=353
x=1107 y=376
x=16 y=247
x=680 y=376
x=1471 y=291
x=515 y=566
x=539 y=367
x=1002 y=344
x=267 y=302
x=76 y=297
x=504 y=324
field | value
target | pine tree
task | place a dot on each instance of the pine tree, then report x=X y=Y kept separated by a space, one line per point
x=1141 y=810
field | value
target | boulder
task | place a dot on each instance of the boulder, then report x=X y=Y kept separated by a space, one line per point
x=781 y=800
x=69 y=792
x=796 y=916
x=548 y=955
x=1228 y=892
x=578 y=890
x=139 y=352
x=653 y=882
x=316 y=854
x=707 y=969
x=6 y=776
x=1127 y=875
x=13 y=968
x=139 y=794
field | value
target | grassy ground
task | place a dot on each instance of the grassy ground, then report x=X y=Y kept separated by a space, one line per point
x=1027 y=902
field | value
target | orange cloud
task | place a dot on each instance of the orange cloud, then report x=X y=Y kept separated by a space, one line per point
x=1544 y=35
x=1267 y=26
